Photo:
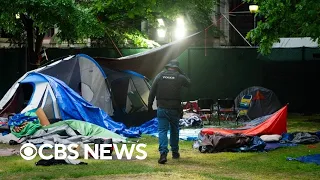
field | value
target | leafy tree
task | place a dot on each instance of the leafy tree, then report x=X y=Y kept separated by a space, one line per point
x=123 y=17
x=285 y=18
x=35 y=17
x=106 y=22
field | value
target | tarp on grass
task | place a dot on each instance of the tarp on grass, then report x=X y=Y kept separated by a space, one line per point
x=151 y=128
x=88 y=129
x=275 y=124
x=314 y=158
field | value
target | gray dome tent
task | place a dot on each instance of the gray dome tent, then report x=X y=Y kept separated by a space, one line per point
x=122 y=94
x=264 y=101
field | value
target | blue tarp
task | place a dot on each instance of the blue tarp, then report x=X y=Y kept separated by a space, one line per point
x=275 y=145
x=20 y=118
x=73 y=106
x=256 y=144
x=314 y=158
x=184 y=134
x=149 y=127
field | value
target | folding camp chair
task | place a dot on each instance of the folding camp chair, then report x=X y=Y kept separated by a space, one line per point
x=205 y=110
x=226 y=109
x=244 y=107
x=191 y=106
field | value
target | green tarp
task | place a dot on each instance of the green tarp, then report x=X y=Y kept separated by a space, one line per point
x=87 y=129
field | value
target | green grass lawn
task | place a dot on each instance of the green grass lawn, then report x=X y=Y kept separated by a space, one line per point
x=192 y=165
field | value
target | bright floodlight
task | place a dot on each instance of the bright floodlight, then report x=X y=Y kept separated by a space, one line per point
x=180 y=29
x=180 y=21
x=18 y=16
x=180 y=33
x=161 y=32
x=253 y=8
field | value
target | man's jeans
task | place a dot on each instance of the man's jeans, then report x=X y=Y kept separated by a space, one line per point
x=168 y=118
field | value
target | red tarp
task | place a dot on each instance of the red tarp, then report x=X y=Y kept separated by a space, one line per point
x=276 y=124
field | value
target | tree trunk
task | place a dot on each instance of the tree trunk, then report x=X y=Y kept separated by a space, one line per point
x=38 y=45
x=39 y=40
x=30 y=44
x=28 y=25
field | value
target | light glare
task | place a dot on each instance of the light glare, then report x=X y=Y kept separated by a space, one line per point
x=161 y=33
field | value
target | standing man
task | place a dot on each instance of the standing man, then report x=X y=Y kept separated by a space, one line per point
x=167 y=89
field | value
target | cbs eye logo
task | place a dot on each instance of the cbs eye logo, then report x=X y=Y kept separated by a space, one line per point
x=28 y=151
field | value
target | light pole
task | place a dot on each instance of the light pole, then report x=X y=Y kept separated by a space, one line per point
x=253 y=9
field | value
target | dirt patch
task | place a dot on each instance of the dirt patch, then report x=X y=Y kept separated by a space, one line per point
x=161 y=175
x=7 y=146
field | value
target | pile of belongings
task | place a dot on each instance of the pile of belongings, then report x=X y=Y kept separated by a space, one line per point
x=243 y=143
x=24 y=124
x=229 y=143
x=4 y=128
x=191 y=120
x=301 y=137
x=3 y=121
x=28 y=128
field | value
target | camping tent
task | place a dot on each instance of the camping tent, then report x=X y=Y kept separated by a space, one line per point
x=85 y=76
x=60 y=102
x=129 y=91
x=264 y=101
x=79 y=72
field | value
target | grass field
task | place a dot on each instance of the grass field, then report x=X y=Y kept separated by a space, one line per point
x=192 y=165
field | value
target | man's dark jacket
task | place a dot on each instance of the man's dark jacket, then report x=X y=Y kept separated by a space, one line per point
x=167 y=89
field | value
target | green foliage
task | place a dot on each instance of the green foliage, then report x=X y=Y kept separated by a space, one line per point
x=123 y=18
x=125 y=38
x=74 y=21
x=103 y=20
x=198 y=12
x=285 y=18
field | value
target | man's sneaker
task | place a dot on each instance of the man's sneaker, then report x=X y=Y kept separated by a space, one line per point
x=163 y=158
x=175 y=155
